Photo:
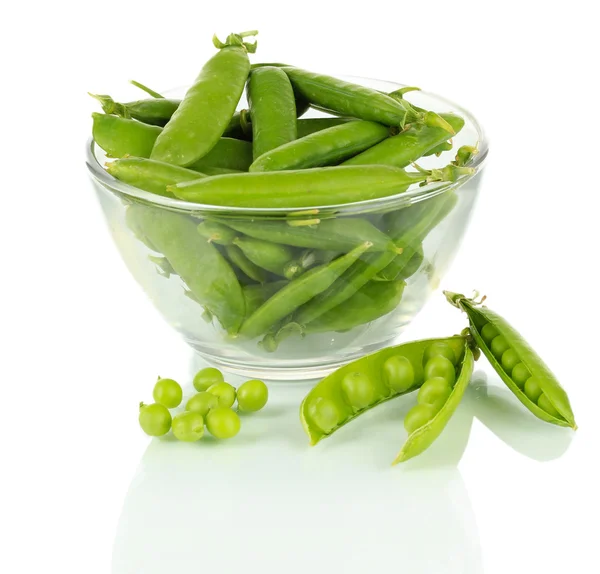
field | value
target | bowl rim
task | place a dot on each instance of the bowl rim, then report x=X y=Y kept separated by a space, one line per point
x=408 y=197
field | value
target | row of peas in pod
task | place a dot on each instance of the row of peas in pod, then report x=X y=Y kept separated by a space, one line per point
x=212 y=405
x=305 y=269
x=439 y=371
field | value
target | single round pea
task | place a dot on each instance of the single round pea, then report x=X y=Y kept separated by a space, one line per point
x=545 y=404
x=398 y=373
x=167 y=392
x=434 y=392
x=155 y=419
x=488 y=333
x=520 y=374
x=358 y=390
x=509 y=360
x=440 y=367
x=499 y=346
x=222 y=422
x=188 y=426
x=252 y=396
x=532 y=389
x=439 y=348
x=207 y=378
x=202 y=402
x=324 y=413
x=418 y=416
x=224 y=392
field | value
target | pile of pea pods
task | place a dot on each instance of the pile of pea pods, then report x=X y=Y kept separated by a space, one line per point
x=439 y=371
x=294 y=273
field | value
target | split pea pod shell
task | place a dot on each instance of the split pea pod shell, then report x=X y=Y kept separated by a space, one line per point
x=208 y=106
x=329 y=405
x=199 y=264
x=479 y=317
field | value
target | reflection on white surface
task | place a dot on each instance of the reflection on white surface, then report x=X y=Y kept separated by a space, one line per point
x=269 y=500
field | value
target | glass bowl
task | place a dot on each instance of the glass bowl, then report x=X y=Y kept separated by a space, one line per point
x=362 y=324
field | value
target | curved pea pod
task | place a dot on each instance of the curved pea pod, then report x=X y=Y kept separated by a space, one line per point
x=214 y=232
x=199 y=264
x=400 y=268
x=155 y=111
x=486 y=326
x=256 y=295
x=365 y=383
x=406 y=147
x=424 y=436
x=208 y=106
x=272 y=109
x=270 y=256
x=150 y=175
x=326 y=147
x=120 y=136
x=309 y=187
x=297 y=292
x=307 y=126
x=227 y=153
x=249 y=268
x=337 y=234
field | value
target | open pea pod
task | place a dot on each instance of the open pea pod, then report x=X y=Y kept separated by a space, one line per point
x=517 y=364
x=363 y=384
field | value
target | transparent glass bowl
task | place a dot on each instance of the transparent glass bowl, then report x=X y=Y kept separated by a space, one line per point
x=312 y=354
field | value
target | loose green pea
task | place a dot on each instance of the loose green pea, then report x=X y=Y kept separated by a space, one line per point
x=167 y=392
x=252 y=396
x=398 y=373
x=418 y=416
x=224 y=392
x=223 y=423
x=532 y=389
x=202 y=403
x=155 y=419
x=439 y=349
x=206 y=378
x=324 y=413
x=188 y=426
x=440 y=367
x=520 y=374
x=434 y=392
x=358 y=390
x=488 y=333
x=510 y=360
x=499 y=346
x=545 y=404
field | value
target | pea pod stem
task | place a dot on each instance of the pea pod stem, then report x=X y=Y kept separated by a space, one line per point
x=237 y=40
x=146 y=89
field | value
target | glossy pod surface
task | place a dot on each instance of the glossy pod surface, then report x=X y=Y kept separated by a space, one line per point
x=379 y=377
x=517 y=364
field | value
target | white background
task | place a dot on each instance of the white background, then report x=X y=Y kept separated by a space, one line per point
x=83 y=490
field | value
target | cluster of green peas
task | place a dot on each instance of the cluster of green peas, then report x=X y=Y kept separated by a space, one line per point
x=515 y=368
x=211 y=406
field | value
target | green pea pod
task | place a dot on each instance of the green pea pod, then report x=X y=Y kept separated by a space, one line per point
x=298 y=292
x=150 y=175
x=120 y=137
x=330 y=234
x=311 y=125
x=424 y=436
x=326 y=147
x=400 y=268
x=426 y=216
x=199 y=264
x=367 y=382
x=307 y=259
x=440 y=149
x=248 y=267
x=353 y=100
x=493 y=334
x=216 y=233
x=272 y=109
x=270 y=256
x=309 y=187
x=406 y=147
x=208 y=106
x=154 y=111
x=256 y=295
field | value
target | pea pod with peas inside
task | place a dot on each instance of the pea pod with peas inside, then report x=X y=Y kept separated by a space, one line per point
x=517 y=364
x=208 y=106
x=363 y=384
